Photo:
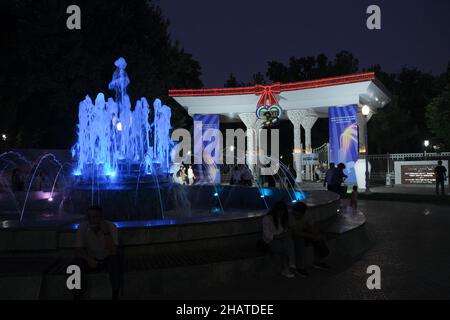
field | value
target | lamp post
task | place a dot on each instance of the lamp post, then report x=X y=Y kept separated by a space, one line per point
x=365 y=112
x=3 y=141
x=426 y=143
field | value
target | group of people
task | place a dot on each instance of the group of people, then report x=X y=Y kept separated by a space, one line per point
x=185 y=175
x=286 y=232
x=334 y=178
x=334 y=181
x=241 y=175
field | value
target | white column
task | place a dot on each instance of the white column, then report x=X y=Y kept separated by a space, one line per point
x=306 y=118
x=308 y=121
x=251 y=122
x=296 y=116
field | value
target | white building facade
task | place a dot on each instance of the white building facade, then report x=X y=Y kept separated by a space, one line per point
x=302 y=104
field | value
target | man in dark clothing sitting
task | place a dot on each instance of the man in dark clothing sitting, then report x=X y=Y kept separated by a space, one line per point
x=306 y=234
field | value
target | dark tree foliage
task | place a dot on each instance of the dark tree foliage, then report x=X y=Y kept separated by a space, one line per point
x=258 y=78
x=47 y=69
x=438 y=118
x=310 y=68
x=401 y=126
x=232 y=82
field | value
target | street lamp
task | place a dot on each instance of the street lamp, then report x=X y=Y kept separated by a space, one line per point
x=426 y=143
x=3 y=141
x=365 y=110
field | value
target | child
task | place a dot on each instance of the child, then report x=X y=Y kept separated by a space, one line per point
x=354 y=198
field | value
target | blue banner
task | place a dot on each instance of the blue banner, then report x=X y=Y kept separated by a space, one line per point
x=343 y=124
x=208 y=171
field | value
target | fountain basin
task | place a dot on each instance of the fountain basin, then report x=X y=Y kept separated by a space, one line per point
x=58 y=236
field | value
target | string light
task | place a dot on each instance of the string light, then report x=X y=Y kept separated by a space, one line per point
x=369 y=76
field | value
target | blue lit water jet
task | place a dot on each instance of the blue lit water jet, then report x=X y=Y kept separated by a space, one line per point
x=48 y=155
x=114 y=139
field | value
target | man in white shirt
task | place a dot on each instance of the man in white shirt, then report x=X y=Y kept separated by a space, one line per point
x=191 y=176
x=96 y=248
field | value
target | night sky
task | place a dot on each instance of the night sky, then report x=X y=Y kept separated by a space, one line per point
x=241 y=36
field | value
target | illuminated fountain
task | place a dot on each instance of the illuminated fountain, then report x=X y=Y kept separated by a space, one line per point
x=114 y=140
x=121 y=161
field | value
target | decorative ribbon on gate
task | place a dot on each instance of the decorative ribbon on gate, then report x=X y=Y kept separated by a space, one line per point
x=268 y=108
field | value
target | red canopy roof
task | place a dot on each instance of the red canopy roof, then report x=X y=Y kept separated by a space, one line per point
x=276 y=87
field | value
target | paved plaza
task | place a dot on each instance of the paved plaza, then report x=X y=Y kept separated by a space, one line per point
x=425 y=190
x=411 y=245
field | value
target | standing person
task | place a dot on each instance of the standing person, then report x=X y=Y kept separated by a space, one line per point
x=181 y=175
x=190 y=175
x=96 y=249
x=235 y=175
x=317 y=173
x=41 y=181
x=329 y=175
x=338 y=179
x=177 y=176
x=246 y=177
x=277 y=235
x=354 y=198
x=440 y=173
x=15 y=179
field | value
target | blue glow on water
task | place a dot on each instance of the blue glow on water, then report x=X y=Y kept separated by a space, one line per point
x=300 y=195
x=135 y=223
x=216 y=194
x=110 y=174
x=216 y=210
x=266 y=192
x=112 y=133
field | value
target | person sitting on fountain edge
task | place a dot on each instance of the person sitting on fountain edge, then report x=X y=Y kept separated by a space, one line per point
x=277 y=235
x=96 y=249
x=306 y=234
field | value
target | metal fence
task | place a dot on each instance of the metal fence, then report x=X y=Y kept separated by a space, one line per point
x=323 y=153
x=382 y=165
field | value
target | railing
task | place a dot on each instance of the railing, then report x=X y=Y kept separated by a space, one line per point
x=401 y=156
x=323 y=153
x=383 y=164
